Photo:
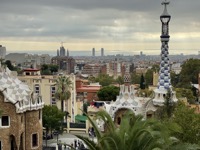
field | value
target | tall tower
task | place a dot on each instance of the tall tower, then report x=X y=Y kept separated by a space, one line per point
x=93 y=52
x=62 y=51
x=102 y=51
x=67 y=53
x=127 y=76
x=164 y=81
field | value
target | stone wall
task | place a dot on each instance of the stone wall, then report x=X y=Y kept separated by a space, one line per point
x=33 y=126
x=21 y=127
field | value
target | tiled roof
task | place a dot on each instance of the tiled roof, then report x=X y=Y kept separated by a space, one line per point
x=17 y=92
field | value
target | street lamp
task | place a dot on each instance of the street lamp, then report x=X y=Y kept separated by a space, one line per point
x=165 y=18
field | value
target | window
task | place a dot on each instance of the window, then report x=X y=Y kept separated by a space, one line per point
x=34 y=140
x=0 y=146
x=37 y=89
x=21 y=118
x=53 y=99
x=5 y=121
x=85 y=94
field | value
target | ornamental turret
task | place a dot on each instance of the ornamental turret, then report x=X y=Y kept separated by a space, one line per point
x=164 y=81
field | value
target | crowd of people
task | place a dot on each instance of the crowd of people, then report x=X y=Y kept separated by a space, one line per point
x=77 y=145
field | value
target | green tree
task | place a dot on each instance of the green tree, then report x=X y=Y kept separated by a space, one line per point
x=189 y=73
x=53 y=68
x=182 y=93
x=135 y=78
x=149 y=77
x=52 y=117
x=44 y=67
x=120 y=80
x=174 y=79
x=155 y=68
x=142 y=82
x=188 y=120
x=9 y=65
x=166 y=111
x=104 y=79
x=48 y=69
x=63 y=84
x=108 y=93
x=134 y=133
x=85 y=107
x=92 y=79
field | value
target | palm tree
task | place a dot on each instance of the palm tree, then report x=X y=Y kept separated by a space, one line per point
x=62 y=92
x=134 y=133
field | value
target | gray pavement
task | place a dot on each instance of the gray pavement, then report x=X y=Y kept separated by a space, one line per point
x=67 y=138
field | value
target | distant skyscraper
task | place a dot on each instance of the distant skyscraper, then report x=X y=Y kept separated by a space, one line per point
x=102 y=51
x=67 y=53
x=93 y=52
x=58 y=53
x=2 y=51
x=164 y=81
x=62 y=51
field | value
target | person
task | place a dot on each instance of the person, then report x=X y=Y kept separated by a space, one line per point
x=93 y=132
x=90 y=131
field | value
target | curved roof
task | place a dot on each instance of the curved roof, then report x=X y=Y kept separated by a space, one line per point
x=17 y=92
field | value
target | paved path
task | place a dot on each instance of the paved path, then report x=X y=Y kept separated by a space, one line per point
x=67 y=138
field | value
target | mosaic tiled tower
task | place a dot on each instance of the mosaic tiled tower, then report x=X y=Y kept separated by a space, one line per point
x=164 y=81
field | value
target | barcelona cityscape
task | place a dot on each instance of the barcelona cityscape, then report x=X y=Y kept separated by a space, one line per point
x=99 y=75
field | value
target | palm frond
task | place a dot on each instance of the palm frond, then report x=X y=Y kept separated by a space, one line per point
x=90 y=144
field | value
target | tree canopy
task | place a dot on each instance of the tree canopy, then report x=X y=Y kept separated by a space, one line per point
x=135 y=78
x=142 y=82
x=52 y=117
x=188 y=120
x=135 y=133
x=119 y=80
x=63 y=84
x=108 y=93
x=48 y=69
x=189 y=73
x=182 y=93
x=104 y=79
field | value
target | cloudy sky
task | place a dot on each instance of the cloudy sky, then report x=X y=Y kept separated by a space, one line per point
x=116 y=25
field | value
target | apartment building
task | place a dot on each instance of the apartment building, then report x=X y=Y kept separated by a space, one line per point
x=45 y=86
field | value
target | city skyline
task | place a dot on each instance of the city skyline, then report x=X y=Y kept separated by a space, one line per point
x=114 y=25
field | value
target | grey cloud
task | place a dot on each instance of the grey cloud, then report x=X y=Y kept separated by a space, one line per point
x=94 y=19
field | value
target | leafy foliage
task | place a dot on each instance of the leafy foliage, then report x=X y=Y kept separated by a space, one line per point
x=135 y=78
x=10 y=66
x=104 y=79
x=62 y=91
x=149 y=77
x=182 y=92
x=49 y=69
x=119 y=80
x=142 y=82
x=52 y=117
x=108 y=93
x=134 y=133
x=189 y=73
x=188 y=120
